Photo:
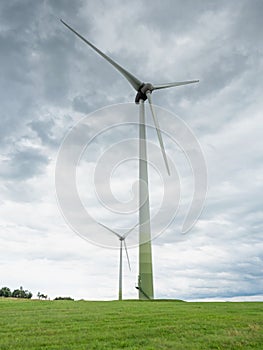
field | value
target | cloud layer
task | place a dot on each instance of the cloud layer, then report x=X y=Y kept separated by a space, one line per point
x=50 y=80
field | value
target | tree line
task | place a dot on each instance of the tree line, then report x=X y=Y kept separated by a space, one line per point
x=17 y=293
x=6 y=292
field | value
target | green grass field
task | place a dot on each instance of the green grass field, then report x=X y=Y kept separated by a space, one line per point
x=66 y=325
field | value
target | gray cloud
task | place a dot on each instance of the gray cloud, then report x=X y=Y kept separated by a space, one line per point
x=23 y=164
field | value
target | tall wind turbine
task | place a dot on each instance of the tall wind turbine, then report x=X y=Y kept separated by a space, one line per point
x=122 y=243
x=144 y=91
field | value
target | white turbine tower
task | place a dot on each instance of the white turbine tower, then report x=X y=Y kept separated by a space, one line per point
x=144 y=91
x=122 y=242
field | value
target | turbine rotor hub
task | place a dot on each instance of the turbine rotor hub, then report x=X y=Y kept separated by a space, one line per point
x=143 y=89
x=146 y=87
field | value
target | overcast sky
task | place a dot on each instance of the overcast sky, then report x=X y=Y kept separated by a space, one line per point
x=50 y=80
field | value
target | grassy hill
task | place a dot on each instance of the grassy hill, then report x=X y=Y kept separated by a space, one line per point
x=79 y=325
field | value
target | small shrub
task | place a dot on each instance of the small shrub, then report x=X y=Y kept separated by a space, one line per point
x=64 y=298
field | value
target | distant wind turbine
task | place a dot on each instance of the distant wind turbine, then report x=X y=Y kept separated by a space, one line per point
x=122 y=242
x=144 y=91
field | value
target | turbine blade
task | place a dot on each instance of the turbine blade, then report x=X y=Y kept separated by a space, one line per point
x=157 y=127
x=135 y=82
x=109 y=229
x=127 y=254
x=168 y=85
x=130 y=230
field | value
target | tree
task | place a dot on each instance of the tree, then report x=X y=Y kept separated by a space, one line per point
x=5 y=292
x=21 y=293
x=41 y=296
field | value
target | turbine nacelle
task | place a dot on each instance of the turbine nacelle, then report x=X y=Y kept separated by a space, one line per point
x=142 y=92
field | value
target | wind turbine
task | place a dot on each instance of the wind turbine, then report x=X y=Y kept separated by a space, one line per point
x=122 y=242
x=144 y=91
